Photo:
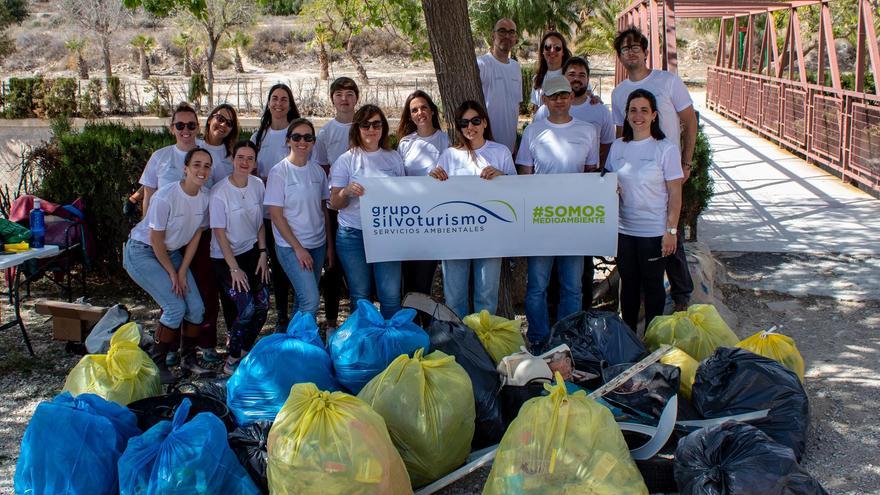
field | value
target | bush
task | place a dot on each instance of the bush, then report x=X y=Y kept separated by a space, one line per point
x=271 y=45
x=22 y=96
x=90 y=100
x=197 y=88
x=160 y=104
x=280 y=7
x=528 y=77
x=699 y=188
x=115 y=98
x=59 y=98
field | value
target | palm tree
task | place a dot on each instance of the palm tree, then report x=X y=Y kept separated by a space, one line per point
x=77 y=46
x=236 y=42
x=185 y=41
x=144 y=44
x=320 y=42
x=596 y=34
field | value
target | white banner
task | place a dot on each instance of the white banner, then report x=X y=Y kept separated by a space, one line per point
x=422 y=218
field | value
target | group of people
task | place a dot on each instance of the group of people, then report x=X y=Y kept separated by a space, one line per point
x=282 y=209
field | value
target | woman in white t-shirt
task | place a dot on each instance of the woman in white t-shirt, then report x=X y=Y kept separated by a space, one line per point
x=554 y=54
x=474 y=154
x=420 y=147
x=296 y=194
x=165 y=165
x=649 y=176
x=271 y=141
x=221 y=134
x=370 y=155
x=238 y=252
x=153 y=258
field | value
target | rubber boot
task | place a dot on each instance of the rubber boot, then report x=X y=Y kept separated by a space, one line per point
x=189 y=360
x=157 y=354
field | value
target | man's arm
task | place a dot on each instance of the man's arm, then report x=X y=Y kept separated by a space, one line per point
x=688 y=119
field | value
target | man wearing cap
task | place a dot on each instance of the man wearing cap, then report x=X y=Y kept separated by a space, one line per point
x=559 y=144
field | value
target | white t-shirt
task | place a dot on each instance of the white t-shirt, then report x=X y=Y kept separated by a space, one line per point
x=221 y=163
x=301 y=192
x=273 y=149
x=331 y=143
x=356 y=164
x=239 y=210
x=642 y=168
x=177 y=213
x=559 y=148
x=597 y=114
x=671 y=94
x=420 y=154
x=502 y=88
x=165 y=166
x=458 y=161
x=537 y=93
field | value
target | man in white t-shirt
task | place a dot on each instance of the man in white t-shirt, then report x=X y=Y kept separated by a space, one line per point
x=678 y=120
x=502 y=84
x=559 y=144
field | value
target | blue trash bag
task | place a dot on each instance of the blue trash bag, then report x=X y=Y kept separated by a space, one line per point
x=183 y=458
x=367 y=343
x=262 y=381
x=71 y=446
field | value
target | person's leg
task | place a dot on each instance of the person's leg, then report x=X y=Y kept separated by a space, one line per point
x=332 y=280
x=418 y=276
x=146 y=271
x=280 y=283
x=203 y=272
x=350 y=248
x=487 y=278
x=387 y=277
x=571 y=271
x=681 y=285
x=587 y=284
x=227 y=304
x=305 y=282
x=539 y=269
x=455 y=285
x=651 y=276
x=630 y=287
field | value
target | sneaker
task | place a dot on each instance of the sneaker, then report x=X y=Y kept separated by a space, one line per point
x=172 y=359
x=209 y=355
x=230 y=365
x=191 y=364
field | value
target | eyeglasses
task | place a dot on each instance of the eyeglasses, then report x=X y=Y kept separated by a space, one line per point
x=297 y=137
x=552 y=48
x=186 y=125
x=221 y=119
x=375 y=124
x=463 y=123
x=506 y=32
x=630 y=49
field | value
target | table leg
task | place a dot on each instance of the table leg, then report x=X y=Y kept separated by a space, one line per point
x=14 y=282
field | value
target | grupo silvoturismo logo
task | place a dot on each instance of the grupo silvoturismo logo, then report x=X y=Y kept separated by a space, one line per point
x=554 y=214
x=448 y=217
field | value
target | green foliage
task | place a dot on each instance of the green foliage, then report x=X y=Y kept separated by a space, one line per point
x=596 y=34
x=531 y=16
x=144 y=42
x=59 y=99
x=528 y=77
x=115 y=100
x=164 y=8
x=90 y=100
x=699 y=188
x=101 y=164
x=160 y=104
x=11 y=12
x=22 y=95
x=197 y=87
x=281 y=7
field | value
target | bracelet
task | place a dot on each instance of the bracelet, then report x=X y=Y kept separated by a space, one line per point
x=234 y=270
x=261 y=250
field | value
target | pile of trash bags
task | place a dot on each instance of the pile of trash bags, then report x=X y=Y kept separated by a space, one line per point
x=499 y=336
x=698 y=331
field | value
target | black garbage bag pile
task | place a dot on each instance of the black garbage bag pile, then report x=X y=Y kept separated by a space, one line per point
x=249 y=444
x=648 y=391
x=597 y=339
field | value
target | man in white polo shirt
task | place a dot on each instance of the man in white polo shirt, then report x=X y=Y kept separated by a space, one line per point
x=559 y=144
x=502 y=84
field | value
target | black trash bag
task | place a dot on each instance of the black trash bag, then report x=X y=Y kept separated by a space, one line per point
x=597 y=337
x=512 y=398
x=152 y=410
x=648 y=391
x=249 y=444
x=456 y=339
x=736 y=458
x=735 y=381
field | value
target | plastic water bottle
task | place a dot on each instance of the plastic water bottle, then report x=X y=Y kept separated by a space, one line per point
x=38 y=226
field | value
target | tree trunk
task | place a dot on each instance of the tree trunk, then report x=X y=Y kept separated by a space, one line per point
x=359 y=67
x=105 y=51
x=239 y=66
x=82 y=66
x=324 y=61
x=212 y=50
x=187 y=64
x=145 y=64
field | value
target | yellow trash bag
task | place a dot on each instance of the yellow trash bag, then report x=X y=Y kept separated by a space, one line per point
x=332 y=443
x=697 y=331
x=564 y=443
x=778 y=347
x=428 y=405
x=123 y=375
x=688 y=367
x=501 y=337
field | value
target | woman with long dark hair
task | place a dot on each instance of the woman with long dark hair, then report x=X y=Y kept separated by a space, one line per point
x=221 y=134
x=649 y=175
x=554 y=54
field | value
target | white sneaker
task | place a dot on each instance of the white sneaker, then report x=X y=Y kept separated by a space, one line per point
x=230 y=365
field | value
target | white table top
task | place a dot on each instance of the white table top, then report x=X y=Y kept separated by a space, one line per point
x=13 y=260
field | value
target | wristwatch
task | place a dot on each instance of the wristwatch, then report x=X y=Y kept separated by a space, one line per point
x=672 y=230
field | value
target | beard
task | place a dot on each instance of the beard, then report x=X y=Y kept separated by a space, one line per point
x=581 y=91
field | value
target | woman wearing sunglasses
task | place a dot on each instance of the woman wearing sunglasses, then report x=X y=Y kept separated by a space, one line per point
x=221 y=134
x=370 y=155
x=475 y=154
x=238 y=252
x=554 y=54
x=165 y=165
x=296 y=194
x=153 y=258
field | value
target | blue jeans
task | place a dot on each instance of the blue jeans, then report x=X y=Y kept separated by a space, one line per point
x=141 y=264
x=305 y=283
x=487 y=276
x=570 y=269
x=360 y=274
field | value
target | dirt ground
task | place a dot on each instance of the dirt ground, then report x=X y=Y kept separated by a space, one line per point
x=839 y=341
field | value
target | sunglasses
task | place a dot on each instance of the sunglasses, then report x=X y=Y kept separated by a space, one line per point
x=552 y=48
x=186 y=125
x=375 y=124
x=463 y=123
x=297 y=137
x=221 y=119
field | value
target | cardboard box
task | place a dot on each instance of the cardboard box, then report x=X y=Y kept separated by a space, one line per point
x=70 y=321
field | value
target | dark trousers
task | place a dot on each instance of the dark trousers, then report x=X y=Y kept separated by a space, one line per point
x=203 y=272
x=280 y=283
x=244 y=311
x=418 y=276
x=638 y=274
x=681 y=286
x=332 y=278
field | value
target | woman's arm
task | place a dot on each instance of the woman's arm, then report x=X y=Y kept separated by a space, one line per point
x=331 y=242
x=673 y=210
x=239 y=278
x=148 y=193
x=263 y=261
x=339 y=195
x=276 y=213
x=188 y=256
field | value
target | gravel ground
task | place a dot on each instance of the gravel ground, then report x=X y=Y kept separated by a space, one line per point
x=838 y=339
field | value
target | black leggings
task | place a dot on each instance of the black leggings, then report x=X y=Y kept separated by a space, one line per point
x=641 y=270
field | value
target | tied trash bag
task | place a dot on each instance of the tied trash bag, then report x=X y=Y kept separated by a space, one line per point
x=564 y=443
x=778 y=347
x=367 y=343
x=332 y=443
x=125 y=374
x=249 y=444
x=71 y=445
x=735 y=458
x=735 y=381
x=182 y=457
x=460 y=341
x=262 y=381
x=688 y=367
x=500 y=336
x=647 y=391
x=597 y=337
x=697 y=331
x=427 y=403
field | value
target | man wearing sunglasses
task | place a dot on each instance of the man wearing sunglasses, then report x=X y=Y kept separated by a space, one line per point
x=559 y=144
x=502 y=83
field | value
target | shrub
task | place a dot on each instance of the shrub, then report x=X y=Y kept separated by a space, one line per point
x=115 y=98
x=160 y=104
x=699 y=188
x=59 y=98
x=271 y=45
x=528 y=77
x=197 y=88
x=90 y=100
x=280 y=7
x=21 y=97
